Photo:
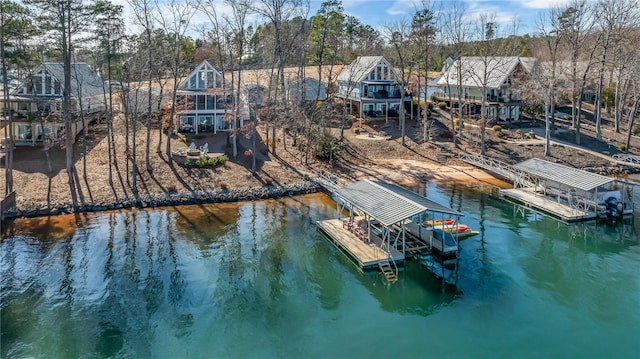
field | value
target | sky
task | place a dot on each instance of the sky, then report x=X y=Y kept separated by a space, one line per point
x=379 y=13
x=525 y=13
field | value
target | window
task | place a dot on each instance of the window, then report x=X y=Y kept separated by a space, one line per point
x=25 y=132
x=202 y=79
x=220 y=123
x=210 y=79
x=200 y=104
x=38 y=86
x=211 y=102
x=47 y=85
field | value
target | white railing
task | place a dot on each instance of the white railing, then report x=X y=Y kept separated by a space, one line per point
x=327 y=180
x=519 y=178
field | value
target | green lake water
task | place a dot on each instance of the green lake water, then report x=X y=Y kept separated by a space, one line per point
x=258 y=280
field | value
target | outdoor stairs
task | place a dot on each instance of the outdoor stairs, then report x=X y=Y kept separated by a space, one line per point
x=388 y=271
x=443 y=154
x=442 y=157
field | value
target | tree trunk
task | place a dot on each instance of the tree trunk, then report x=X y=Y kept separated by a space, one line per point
x=547 y=132
x=598 y=104
x=632 y=116
x=66 y=104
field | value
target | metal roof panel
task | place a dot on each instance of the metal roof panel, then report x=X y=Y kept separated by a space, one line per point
x=389 y=203
x=572 y=177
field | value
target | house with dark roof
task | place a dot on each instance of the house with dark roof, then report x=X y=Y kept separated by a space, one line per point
x=203 y=102
x=488 y=79
x=36 y=103
x=372 y=87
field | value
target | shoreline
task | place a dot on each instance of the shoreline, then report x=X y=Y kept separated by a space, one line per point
x=407 y=173
x=40 y=209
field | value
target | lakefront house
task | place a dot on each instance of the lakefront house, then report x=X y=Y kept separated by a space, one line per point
x=36 y=103
x=489 y=79
x=371 y=87
x=202 y=102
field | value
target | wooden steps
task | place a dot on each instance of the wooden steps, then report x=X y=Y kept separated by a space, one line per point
x=388 y=272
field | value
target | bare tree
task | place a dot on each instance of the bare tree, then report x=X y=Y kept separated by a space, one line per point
x=635 y=100
x=14 y=25
x=175 y=19
x=455 y=32
x=65 y=20
x=546 y=75
x=488 y=65
x=240 y=9
x=614 y=18
x=279 y=12
x=143 y=13
x=423 y=32
x=574 y=30
x=398 y=37
x=109 y=35
x=326 y=28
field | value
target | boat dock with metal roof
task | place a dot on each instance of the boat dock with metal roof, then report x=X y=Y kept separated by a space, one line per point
x=569 y=194
x=374 y=233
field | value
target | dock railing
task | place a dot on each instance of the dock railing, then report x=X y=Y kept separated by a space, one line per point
x=327 y=180
x=519 y=178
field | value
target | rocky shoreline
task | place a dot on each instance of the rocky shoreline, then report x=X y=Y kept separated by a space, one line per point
x=39 y=209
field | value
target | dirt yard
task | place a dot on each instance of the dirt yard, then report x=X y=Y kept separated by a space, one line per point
x=374 y=151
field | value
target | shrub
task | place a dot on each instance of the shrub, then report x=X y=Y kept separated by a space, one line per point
x=456 y=122
x=326 y=148
x=223 y=159
x=497 y=129
x=518 y=132
x=429 y=105
x=224 y=186
x=202 y=161
x=442 y=105
x=622 y=147
x=172 y=188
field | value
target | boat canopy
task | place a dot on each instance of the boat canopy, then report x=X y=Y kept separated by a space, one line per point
x=389 y=203
x=569 y=176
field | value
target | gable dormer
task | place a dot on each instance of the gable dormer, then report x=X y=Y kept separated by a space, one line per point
x=202 y=78
x=40 y=83
x=382 y=71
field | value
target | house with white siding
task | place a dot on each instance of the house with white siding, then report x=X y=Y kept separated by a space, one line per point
x=203 y=102
x=488 y=79
x=371 y=87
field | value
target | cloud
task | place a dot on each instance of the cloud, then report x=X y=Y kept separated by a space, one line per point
x=541 y=4
x=402 y=7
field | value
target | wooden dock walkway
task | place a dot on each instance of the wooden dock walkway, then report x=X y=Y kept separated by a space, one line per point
x=368 y=255
x=529 y=198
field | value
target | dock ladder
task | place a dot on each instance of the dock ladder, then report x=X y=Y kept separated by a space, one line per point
x=387 y=267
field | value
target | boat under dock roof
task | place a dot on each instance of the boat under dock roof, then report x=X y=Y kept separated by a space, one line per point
x=569 y=176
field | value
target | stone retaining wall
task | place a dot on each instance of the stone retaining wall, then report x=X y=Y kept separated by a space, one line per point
x=35 y=209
